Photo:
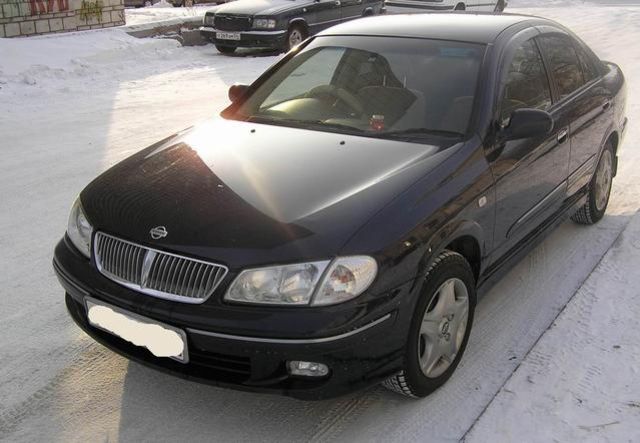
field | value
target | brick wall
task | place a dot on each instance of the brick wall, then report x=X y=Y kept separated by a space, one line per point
x=32 y=17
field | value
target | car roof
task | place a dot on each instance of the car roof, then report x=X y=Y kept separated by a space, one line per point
x=468 y=27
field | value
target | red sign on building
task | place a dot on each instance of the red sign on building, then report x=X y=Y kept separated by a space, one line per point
x=48 y=6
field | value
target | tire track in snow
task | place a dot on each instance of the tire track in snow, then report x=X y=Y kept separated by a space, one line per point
x=89 y=364
x=343 y=413
x=541 y=358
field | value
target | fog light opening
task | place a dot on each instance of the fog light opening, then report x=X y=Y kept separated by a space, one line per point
x=307 y=368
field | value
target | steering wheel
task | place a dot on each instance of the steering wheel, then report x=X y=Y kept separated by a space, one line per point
x=338 y=94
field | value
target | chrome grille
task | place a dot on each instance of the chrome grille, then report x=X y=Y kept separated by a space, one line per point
x=157 y=273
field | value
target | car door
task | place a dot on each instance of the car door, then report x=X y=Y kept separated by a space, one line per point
x=530 y=173
x=350 y=9
x=322 y=14
x=581 y=93
x=480 y=5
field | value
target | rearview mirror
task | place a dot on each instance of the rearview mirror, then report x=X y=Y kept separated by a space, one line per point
x=526 y=123
x=236 y=91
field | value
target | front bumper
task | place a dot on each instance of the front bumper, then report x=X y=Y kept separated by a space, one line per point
x=248 y=39
x=358 y=356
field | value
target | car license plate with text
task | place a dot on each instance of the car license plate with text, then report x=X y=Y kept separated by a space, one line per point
x=160 y=339
x=228 y=35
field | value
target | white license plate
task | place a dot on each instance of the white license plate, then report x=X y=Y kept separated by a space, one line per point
x=228 y=35
x=160 y=339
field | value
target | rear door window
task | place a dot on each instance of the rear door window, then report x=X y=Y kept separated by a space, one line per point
x=564 y=64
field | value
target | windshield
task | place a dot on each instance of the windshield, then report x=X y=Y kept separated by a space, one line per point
x=373 y=86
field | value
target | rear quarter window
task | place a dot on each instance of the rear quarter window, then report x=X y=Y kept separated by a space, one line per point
x=589 y=70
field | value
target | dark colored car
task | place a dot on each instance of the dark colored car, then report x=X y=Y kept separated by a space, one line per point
x=335 y=227
x=278 y=24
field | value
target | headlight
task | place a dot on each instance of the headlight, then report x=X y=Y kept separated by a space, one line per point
x=263 y=23
x=347 y=278
x=300 y=284
x=209 y=19
x=79 y=229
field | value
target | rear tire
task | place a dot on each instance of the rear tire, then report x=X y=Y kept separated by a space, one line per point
x=226 y=49
x=500 y=6
x=439 y=329
x=460 y=7
x=599 y=190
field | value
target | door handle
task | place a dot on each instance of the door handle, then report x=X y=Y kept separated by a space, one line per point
x=562 y=135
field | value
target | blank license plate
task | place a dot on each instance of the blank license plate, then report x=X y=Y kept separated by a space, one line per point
x=160 y=339
x=228 y=35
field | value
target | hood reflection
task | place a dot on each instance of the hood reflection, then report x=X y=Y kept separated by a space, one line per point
x=288 y=173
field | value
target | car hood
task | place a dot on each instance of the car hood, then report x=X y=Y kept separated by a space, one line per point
x=246 y=194
x=259 y=7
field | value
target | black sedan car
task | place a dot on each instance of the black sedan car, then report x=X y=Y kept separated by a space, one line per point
x=278 y=24
x=336 y=226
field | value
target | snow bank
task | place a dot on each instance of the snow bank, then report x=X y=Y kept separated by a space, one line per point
x=58 y=58
x=159 y=12
x=162 y=4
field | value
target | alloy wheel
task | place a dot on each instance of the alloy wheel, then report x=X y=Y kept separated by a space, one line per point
x=443 y=327
x=603 y=180
x=295 y=37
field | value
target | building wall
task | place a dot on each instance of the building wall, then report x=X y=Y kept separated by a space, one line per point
x=32 y=17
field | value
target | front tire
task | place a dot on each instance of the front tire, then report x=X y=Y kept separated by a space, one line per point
x=500 y=6
x=296 y=35
x=440 y=327
x=599 y=190
x=226 y=49
x=460 y=7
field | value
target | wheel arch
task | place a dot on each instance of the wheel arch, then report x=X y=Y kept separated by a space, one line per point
x=464 y=237
x=611 y=135
x=469 y=247
x=299 y=21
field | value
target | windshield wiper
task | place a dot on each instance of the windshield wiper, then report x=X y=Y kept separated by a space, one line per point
x=301 y=123
x=420 y=131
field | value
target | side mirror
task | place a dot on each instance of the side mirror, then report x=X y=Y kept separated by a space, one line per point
x=526 y=123
x=236 y=91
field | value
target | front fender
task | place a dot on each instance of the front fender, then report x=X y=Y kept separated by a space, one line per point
x=447 y=234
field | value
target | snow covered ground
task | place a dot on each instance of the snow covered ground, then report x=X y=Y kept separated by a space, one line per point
x=581 y=381
x=72 y=105
x=157 y=12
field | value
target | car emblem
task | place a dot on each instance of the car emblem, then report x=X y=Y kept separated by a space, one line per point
x=158 y=232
